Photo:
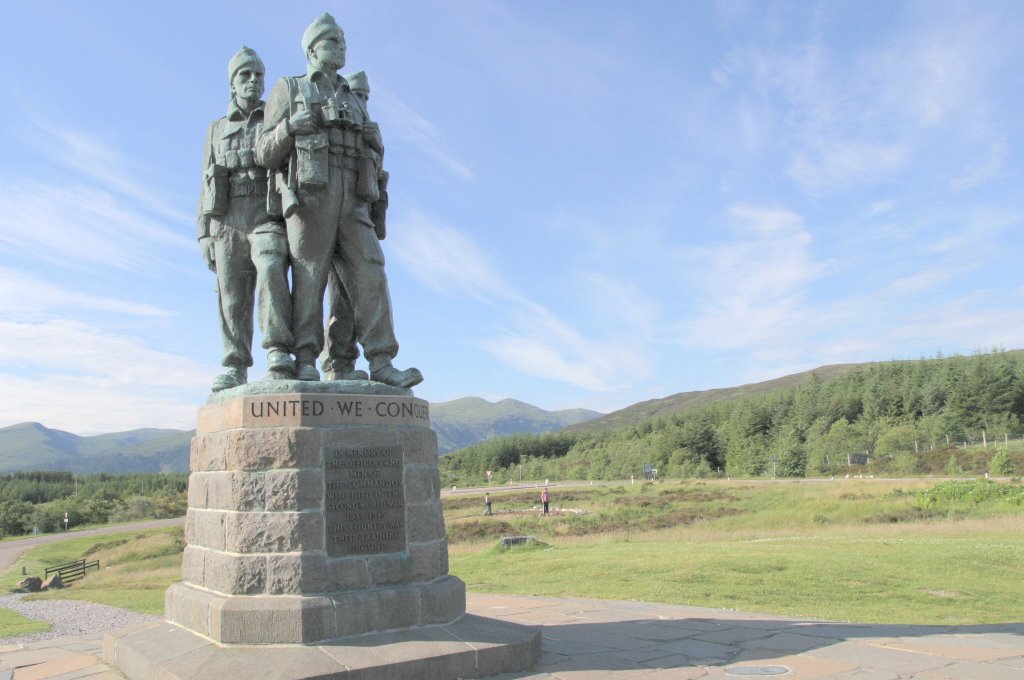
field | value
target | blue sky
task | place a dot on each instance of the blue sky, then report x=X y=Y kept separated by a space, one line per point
x=592 y=203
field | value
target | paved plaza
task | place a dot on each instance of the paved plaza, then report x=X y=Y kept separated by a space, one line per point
x=591 y=639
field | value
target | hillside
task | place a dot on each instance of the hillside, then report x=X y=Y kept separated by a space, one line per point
x=459 y=423
x=470 y=420
x=33 y=446
x=906 y=417
x=684 y=400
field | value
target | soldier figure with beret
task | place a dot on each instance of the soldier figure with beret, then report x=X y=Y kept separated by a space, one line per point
x=314 y=138
x=239 y=240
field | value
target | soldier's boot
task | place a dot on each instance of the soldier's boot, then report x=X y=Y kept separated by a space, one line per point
x=234 y=377
x=280 y=365
x=389 y=375
x=305 y=366
x=345 y=373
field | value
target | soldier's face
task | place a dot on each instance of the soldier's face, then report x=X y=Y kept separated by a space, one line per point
x=248 y=85
x=328 y=53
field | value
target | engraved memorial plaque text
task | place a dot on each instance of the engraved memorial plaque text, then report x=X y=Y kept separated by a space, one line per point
x=364 y=500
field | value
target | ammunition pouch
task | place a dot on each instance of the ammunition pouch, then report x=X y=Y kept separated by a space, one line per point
x=367 y=187
x=274 y=208
x=379 y=209
x=215 y=197
x=311 y=160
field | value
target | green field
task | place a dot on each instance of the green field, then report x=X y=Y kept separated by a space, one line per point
x=871 y=551
x=852 y=550
x=13 y=623
x=135 y=568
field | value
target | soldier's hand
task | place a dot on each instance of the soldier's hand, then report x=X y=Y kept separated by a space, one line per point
x=371 y=134
x=206 y=248
x=302 y=123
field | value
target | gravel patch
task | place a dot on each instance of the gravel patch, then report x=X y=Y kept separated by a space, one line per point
x=69 y=617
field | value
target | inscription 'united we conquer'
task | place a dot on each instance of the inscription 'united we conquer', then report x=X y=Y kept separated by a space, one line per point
x=364 y=500
x=352 y=408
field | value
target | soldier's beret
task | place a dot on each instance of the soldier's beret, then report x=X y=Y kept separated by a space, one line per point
x=244 y=57
x=324 y=25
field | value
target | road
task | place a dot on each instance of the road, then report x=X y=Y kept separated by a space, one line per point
x=10 y=551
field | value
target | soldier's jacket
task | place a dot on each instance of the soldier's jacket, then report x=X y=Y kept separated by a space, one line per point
x=234 y=192
x=339 y=144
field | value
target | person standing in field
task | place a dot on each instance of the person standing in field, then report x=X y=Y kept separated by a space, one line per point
x=545 y=498
x=487 y=504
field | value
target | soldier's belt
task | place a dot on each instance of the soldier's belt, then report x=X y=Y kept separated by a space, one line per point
x=346 y=150
x=345 y=162
x=248 y=189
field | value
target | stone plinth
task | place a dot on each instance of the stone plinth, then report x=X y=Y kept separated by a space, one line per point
x=315 y=516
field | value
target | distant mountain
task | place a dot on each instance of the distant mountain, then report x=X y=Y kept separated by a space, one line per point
x=459 y=423
x=682 y=400
x=33 y=446
x=471 y=420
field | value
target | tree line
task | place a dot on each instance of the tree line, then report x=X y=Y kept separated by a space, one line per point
x=899 y=413
x=39 y=499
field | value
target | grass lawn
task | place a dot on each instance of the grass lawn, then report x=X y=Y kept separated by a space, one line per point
x=13 y=623
x=851 y=550
x=135 y=568
x=863 y=551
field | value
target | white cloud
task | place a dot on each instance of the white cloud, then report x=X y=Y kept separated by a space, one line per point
x=404 y=123
x=535 y=340
x=975 y=234
x=90 y=157
x=89 y=405
x=78 y=225
x=62 y=348
x=846 y=119
x=962 y=325
x=921 y=281
x=77 y=377
x=540 y=357
x=829 y=165
x=986 y=167
x=447 y=261
x=23 y=293
x=623 y=302
x=881 y=207
x=751 y=288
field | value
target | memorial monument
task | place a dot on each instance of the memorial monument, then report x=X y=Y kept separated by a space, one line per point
x=315 y=541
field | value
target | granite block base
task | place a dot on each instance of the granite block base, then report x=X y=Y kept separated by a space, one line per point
x=472 y=647
x=304 y=619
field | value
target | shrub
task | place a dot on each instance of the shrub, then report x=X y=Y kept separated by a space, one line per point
x=1000 y=464
x=970 y=491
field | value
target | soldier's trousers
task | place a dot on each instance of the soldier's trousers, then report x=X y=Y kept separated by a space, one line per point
x=339 y=225
x=340 y=351
x=252 y=268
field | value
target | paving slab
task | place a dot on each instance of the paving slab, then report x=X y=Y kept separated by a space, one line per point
x=58 y=667
x=969 y=671
x=595 y=640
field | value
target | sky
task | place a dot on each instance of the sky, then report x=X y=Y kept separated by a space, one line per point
x=591 y=203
